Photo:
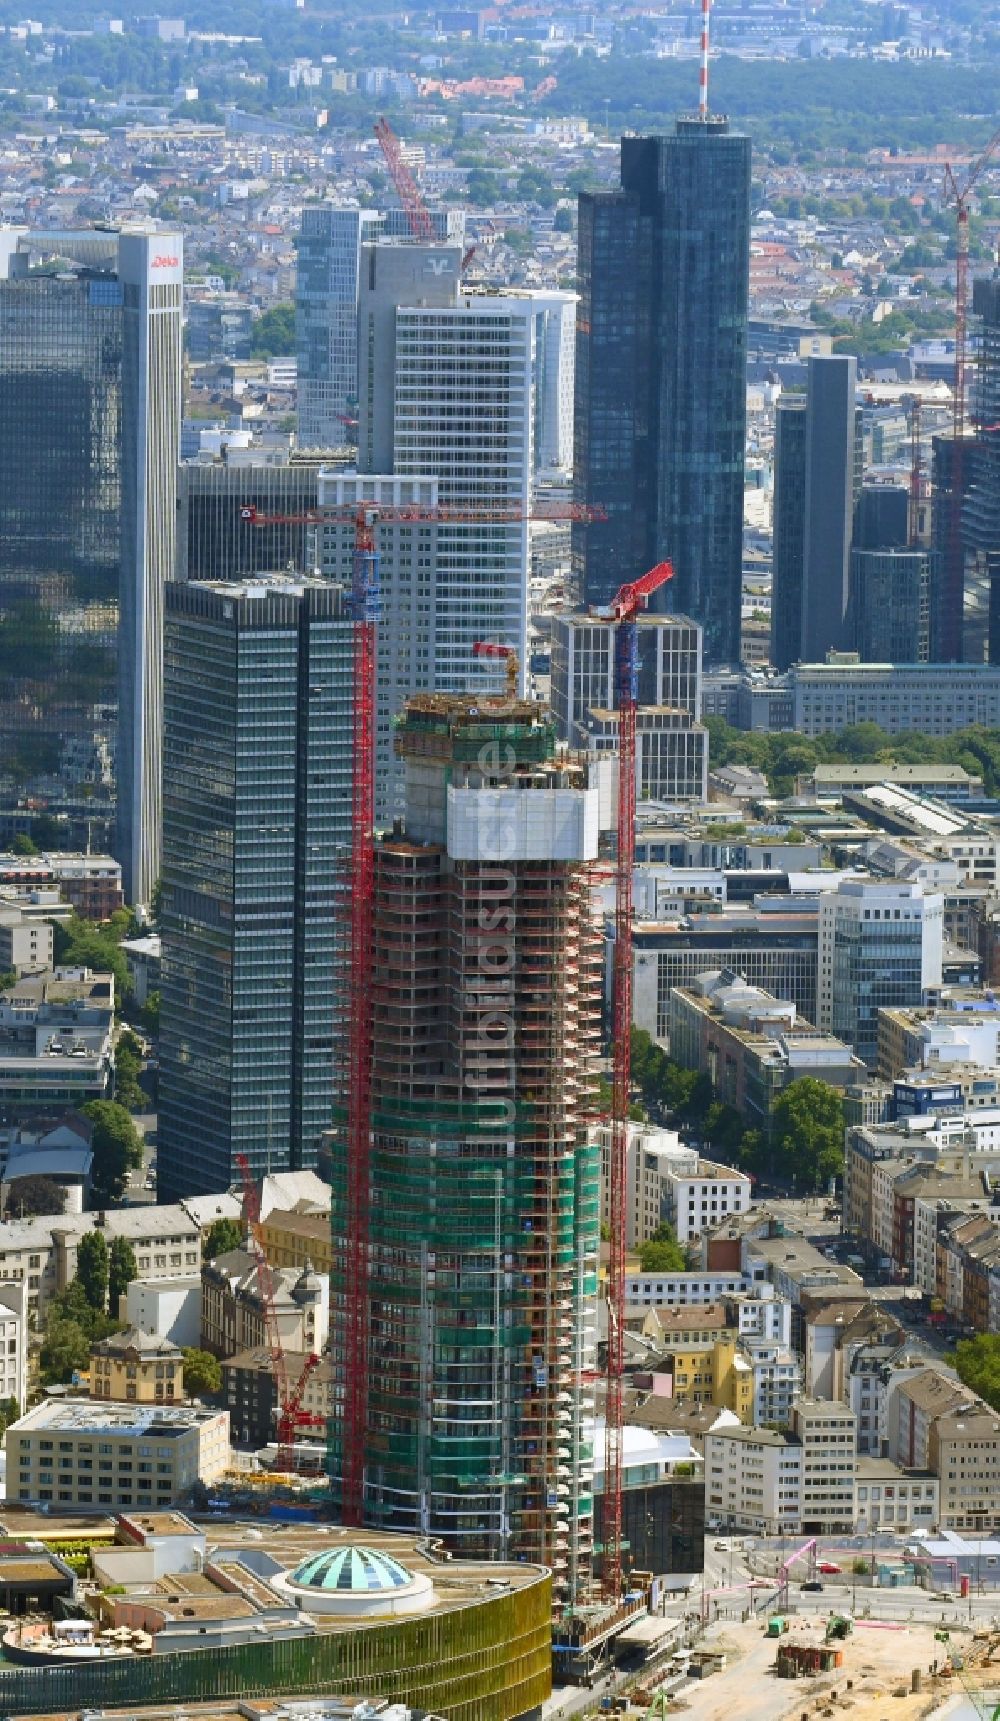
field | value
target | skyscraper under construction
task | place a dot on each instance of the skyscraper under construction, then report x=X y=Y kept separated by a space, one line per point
x=483 y=1203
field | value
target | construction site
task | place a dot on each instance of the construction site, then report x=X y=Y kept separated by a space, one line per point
x=828 y=1667
x=483 y=1216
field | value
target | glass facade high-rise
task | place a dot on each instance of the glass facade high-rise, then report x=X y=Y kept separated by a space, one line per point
x=215 y=543
x=790 y=424
x=60 y=504
x=326 y=309
x=257 y=816
x=90 y=392
x=661 y=374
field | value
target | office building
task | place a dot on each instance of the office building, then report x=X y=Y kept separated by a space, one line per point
x=220 y=327
x=789 y=520
x=880 y=946
x=934 y=698
x=483 y=1231
x=890 y=605
x=447 y=415
x=882 y=517
x=671 y=743
x=661 y=374
x=257 y=689
x=122 y=1456
x=981 y=521
x=326 y=310
x=90 y=401
x=215 y=543
x=752 y=1045
x=817 y=479
x=773 y=947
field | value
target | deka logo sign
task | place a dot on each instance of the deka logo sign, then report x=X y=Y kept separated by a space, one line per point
x=164 y=262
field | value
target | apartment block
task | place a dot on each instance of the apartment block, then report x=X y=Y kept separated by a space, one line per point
x=887 y=1497
x=771 y=1483
x=668 y=1182
x=964 y=1452
x=41 y=1253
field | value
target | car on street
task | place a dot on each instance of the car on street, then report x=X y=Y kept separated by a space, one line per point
x=813 y=1585
x=829 y=1570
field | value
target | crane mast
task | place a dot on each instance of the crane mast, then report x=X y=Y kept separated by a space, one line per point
x=623 y=609
x=365 y=606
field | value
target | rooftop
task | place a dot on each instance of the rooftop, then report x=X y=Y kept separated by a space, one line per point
x=84 y=1415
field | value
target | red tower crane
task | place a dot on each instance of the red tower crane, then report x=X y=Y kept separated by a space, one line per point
x=623 y=609
x=291 y=1416
x=487 y=648
x=366 y=598
x=953 y=598
x=408 y=191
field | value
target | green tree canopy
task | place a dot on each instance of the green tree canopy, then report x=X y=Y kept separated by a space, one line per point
x=977 y=1363
x=92 y=1268
x=202 y=1373
x=65 y=1351
x=117 y=1148
x=122 y=1269
x=662 y=1253
x=222 y=1236
x=808 y=1136
x=27 y=1196
x=273 y=334
x=87 y=944
x=128 y=1068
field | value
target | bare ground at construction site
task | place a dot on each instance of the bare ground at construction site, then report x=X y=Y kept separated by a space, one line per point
x=879 y=1664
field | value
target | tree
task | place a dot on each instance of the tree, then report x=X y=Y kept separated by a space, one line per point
x=128 y=1067
x=202 y=1373
x=273 y=334
x=808 y=1134
x=662 y=1253
x=28 y=1196
x=977 y=1363
x=65 y=1351
x=23 y=845
x=122 y=1269
x=85 y=944
x=10 y=1410
x=151 y=1012
x=92 y=1268
x=222 y=1236
x=563 y=221
x=117 y=1149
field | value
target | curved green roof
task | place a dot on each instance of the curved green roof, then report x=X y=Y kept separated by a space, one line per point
x=360 y=1570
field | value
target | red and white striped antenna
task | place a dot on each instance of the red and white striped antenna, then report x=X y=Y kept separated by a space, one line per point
x=706 y=19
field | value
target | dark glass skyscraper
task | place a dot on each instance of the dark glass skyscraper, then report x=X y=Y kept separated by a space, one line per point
x=90 y=400
x=256 y=828
x=661 y=373
x=60 y=502
x=790 y=424
x=817 y=477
